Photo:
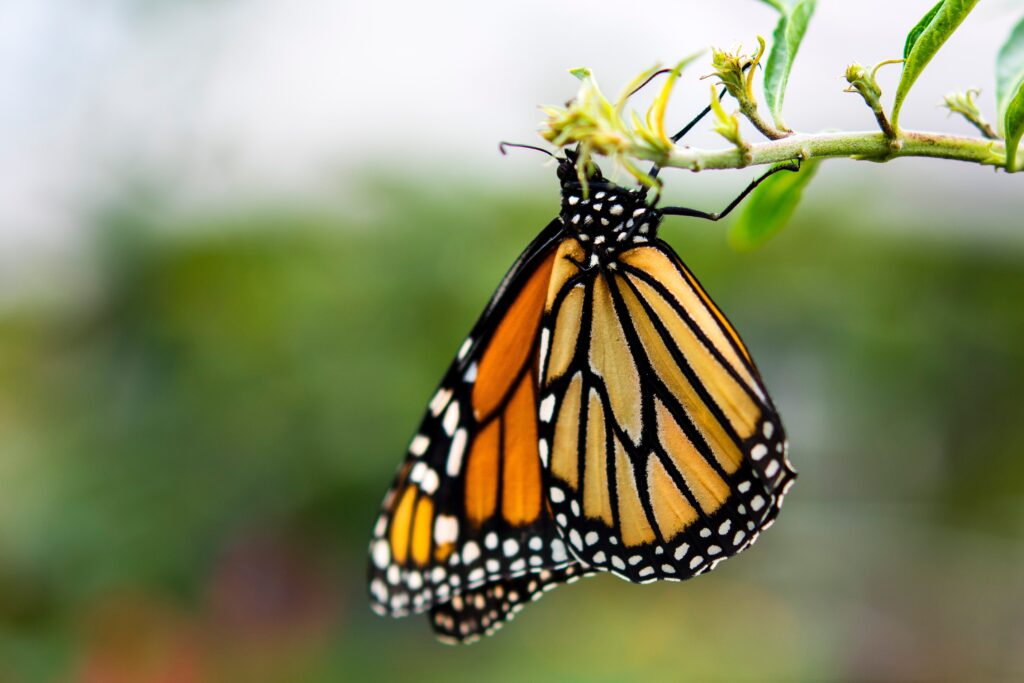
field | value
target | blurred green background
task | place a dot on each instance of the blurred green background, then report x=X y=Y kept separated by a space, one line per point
x=241 y=240
x=195 y=445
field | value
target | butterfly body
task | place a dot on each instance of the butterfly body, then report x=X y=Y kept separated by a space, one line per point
x=602 y=415
x=607 y=220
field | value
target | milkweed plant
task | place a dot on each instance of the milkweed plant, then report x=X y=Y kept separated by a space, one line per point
x=601 y=127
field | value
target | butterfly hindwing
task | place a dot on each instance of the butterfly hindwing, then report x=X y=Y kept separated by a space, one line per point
x=467 y=505
x=483 y=610
x=665 y=453
x=602 y=415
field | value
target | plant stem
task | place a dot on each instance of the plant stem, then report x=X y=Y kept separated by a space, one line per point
x=883 y=123
x=869 y=145
x=749 y=109
x=983 y=127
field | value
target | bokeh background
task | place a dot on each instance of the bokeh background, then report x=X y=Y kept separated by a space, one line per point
x=241 y=239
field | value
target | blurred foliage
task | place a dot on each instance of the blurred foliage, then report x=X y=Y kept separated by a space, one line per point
x=195 y=445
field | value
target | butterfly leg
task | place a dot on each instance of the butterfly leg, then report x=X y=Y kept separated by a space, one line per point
x=688 y=127
x=653 y=173
x=695 y=213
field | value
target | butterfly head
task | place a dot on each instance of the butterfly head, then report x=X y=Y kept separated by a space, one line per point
x=606 y=218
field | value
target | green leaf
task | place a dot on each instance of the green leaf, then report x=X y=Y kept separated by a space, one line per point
x=1009 y=71
x=581 y=72
x=771 y=206
x=916 y=32
x=789 y=32
x=924 y=41
x=1014 y=125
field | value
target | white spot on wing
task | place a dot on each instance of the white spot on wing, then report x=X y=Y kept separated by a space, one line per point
x=451 y=419
x=440 y=400
x=470 y=552
x=430 y=482
x=458 y=447
x=558 y=553
x=545 y=338
x=381 y=554
x=547 y=408
x=446 y=529
x=419 y=445
x=464 y=349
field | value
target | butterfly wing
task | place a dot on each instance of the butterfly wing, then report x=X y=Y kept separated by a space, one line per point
x=664 y=452
x=484 y=610
x=466 y=508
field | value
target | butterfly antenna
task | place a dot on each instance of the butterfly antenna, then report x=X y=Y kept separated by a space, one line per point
x=650 y=78
x=502 y=148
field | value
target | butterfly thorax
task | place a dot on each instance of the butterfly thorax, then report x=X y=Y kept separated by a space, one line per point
x=608 y=219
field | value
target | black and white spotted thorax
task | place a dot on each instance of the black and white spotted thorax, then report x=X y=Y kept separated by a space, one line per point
x=608 y=220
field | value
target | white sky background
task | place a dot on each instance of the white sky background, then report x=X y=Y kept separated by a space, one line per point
x=223 y=101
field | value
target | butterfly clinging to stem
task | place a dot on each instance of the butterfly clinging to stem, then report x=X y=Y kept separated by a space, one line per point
x=602 y=415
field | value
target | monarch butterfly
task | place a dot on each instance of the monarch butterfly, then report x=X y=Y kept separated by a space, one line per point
x=602 y=415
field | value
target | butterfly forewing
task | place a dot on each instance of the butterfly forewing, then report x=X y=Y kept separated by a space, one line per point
x=467 y=507
x=665 y=453
x=603 y=414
